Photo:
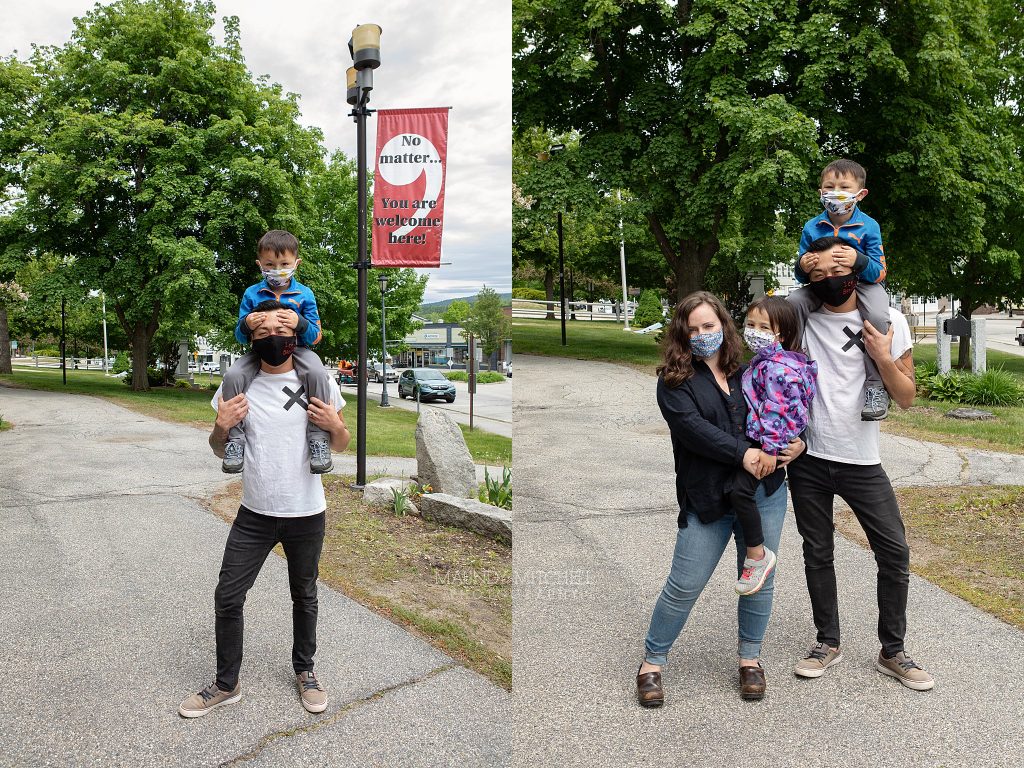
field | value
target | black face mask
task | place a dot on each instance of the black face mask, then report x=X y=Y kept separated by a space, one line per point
x=834 y=291
x=274 y=350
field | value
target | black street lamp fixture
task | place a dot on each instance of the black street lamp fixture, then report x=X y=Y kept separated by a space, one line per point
x=383 y=342
x=365 y=49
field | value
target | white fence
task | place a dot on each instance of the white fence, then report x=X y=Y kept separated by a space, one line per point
x=575 y=310
x=41 y=361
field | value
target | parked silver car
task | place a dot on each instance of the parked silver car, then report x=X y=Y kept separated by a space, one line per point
x=429 y=382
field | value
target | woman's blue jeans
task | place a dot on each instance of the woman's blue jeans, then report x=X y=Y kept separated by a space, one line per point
x=699 y=548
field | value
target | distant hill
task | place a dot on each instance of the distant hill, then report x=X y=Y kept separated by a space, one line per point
x=441 y=306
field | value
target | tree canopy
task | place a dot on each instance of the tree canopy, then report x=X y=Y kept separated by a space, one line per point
x=719 y=115
x=149 y=160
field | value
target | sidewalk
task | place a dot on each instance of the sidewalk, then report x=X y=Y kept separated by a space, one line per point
x=596 y=523
x=107 y=621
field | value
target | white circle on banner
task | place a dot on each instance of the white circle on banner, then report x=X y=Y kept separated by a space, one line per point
x=400 y=174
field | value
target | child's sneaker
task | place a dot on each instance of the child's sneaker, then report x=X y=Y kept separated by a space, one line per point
x=211 y=697
x=320 y=460
x=234 y=454
x=876 y=404
x=755 y=572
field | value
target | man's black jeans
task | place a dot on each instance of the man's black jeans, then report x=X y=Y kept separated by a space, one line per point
x=250 y=540
x=813 y=484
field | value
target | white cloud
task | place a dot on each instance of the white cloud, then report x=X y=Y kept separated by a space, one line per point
x=457 y=53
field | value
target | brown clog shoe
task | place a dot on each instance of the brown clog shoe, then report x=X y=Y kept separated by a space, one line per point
x=648 y=689
x=752 y=683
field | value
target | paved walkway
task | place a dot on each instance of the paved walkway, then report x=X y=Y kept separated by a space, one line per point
x=106 y=619
x=596 y=521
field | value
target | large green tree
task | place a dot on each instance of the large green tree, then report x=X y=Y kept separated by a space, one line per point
x=686 y=105
x=158 y=161
x=18 y=88
x=487 y=321
x=718 y=115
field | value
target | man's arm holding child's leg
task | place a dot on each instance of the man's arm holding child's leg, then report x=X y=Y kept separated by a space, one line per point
x=229 y=413
x=330 y=420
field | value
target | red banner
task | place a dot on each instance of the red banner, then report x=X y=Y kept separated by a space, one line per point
x=408 y=187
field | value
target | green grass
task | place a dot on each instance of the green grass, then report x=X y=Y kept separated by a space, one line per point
x=604 y=341
x=4 y=425
x=390 y=431
x=925 y=353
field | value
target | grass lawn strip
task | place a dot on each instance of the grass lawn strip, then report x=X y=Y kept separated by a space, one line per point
x=391 y=431
x=965 y=540
x=451 y=587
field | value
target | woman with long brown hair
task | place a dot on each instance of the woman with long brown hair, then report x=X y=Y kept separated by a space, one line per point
x=700 y=397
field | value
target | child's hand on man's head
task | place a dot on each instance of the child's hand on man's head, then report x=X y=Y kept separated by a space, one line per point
x=288 y=318
x=808 y=261
x=255 y=319
x=844 y=255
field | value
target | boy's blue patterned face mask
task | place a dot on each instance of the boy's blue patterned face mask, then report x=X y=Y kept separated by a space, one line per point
x=706 y=344
x=278 y=277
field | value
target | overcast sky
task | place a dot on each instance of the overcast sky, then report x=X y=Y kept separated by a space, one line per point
x=456 y=53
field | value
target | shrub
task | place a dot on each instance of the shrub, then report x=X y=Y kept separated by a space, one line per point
x=949 y=388
x=482 y=377
x=121 y=363
x=497 y=493
x=182 y=384
x=4 y=424
x=648 y=311
x=533 y=294
x=993 y=387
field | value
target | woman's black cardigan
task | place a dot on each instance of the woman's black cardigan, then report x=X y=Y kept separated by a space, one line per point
x=708 y=441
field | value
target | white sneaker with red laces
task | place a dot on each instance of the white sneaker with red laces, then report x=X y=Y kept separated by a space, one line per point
x=755 y=572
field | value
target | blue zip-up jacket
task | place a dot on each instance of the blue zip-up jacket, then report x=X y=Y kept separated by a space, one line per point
x=296 y=296
x=861 y=231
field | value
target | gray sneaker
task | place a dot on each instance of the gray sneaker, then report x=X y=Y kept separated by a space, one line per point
x=211 y=697
x=234 y=454
x=755 y=572
x=320 y=460
x=876 y=404
x=819 y=658
x=904 y=669
x=312 y=692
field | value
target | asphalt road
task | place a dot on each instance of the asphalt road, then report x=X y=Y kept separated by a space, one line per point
x=492 y=403
x=595 y=525
x=106 y=620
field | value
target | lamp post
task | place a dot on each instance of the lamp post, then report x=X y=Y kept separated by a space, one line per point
x=554 y=148
x=364 y=46
x=383 y=342
x=622 y=265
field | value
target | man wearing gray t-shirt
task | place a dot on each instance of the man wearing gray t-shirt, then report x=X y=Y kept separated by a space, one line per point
x=842 y=459
x=282 y=502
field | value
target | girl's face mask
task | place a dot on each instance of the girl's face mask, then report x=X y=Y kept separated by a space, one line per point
x=757 y=339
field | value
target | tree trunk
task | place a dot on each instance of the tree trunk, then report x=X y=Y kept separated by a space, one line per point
x=691 y=265
x=140 y=357
x=549 y=292
x=5 y=342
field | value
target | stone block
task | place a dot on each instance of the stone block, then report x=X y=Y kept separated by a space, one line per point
x=470 y=514
x=442 y=458
x=380 y=493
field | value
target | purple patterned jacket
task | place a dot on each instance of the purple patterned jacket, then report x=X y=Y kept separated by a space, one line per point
x=779 y=387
